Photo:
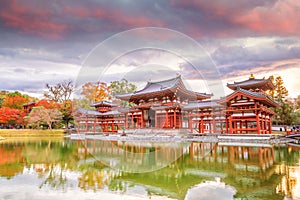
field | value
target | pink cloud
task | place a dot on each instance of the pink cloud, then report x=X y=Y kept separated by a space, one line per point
x=45 y=21
x=117 y=17
x=31 y=20
x=279 y=19
x=244 y=17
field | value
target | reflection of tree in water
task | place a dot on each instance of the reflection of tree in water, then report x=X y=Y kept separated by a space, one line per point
x=56 y=177
x=51 y=160
x=94 y=177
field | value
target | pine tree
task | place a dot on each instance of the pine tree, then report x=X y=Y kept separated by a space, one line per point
x=284 y=111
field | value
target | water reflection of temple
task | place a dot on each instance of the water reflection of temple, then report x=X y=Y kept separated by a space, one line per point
x=251 y=170
x=255 y=172
x=132 y=156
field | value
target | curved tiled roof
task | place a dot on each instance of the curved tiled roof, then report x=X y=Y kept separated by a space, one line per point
x=105 y=102
x=257 y=95
x=96 y=113
x=153 y=89
x=253 y=83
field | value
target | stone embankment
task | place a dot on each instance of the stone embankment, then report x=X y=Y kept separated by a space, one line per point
x=215 y=138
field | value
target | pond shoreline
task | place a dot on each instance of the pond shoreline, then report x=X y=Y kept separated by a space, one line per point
x=214 y=138
x=25 y=133
x=273 y=139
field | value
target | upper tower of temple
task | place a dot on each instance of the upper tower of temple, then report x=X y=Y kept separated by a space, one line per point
x=253 y=83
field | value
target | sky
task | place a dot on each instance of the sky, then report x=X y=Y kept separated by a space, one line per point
x=52 y=41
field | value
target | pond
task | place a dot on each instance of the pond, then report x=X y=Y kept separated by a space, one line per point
x=97 y=169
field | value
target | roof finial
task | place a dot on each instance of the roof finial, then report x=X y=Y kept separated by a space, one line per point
x=251 y=76
x=177 y=74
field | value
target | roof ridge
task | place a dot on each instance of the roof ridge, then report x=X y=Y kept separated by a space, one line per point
x=170 y=79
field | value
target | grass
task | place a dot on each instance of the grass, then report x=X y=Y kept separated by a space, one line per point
x=31 y=133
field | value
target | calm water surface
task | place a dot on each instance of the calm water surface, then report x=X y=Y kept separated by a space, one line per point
x=66 y=169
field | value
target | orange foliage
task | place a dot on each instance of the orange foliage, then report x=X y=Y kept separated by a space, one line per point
x=48 y=104
x=9 y=115
x=96 y=91
x=15 y=102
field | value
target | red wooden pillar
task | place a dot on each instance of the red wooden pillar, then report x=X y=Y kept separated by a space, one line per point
x=167 y=119
x=132 y=120
x=270 y=125
x=175 y=121
x=214 y=124
x=264 y=124
x=226 y=123
x=179 y=119
x=258 y=123
x=126 y=121
x=241 y=126
x=230 y=125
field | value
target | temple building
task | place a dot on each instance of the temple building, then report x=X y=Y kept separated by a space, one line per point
x=168 y=104
x=248 y=107
x=159 y=104
x=105 y=118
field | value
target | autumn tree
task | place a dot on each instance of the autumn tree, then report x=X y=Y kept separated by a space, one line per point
x=15 y=102
x=96 y=92
x=48 y=104
x=41 y=116
x=11 y=116
x=61 y=93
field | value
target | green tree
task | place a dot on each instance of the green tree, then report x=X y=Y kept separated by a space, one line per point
x=82 y=103
x=2 y=99
x=284 y=113
x=120 y=87
x=297 y=103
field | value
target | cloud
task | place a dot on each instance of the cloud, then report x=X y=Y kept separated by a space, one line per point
x=248 y=54
x=25 y=74
x=50 y=39
x=274 y=19
x=31 y=19
x=57 y=20
x=222 y=18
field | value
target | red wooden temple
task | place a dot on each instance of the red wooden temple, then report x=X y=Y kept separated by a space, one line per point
x=105 y=118
x=168 y=104
x=159 y=104
x=248 y=108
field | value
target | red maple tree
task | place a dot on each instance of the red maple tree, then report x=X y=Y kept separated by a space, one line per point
x=11 y=116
